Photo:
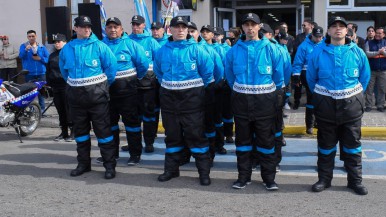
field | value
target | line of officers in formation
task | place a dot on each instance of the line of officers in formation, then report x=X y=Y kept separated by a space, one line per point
x=202 y=85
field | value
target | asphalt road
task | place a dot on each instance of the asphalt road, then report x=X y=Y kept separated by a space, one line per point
x=35 y=181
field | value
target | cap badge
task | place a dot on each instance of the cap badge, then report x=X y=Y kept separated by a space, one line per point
x=179 y=18
x=250 y=15
x=85 y=19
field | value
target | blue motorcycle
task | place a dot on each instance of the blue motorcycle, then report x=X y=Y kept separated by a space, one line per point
x=19 y=107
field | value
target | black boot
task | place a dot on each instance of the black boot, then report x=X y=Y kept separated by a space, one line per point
x=321 y=185
x=353 y=165
x=203 y=162
x=80 y=169
x=149 y=148
x=326 y=165
x=172 y=162
x=110 y=173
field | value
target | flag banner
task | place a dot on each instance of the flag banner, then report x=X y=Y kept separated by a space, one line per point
x=169 y=9
x=103 y=16
x=140 y=6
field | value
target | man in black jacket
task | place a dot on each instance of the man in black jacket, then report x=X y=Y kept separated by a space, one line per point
x=58 y=85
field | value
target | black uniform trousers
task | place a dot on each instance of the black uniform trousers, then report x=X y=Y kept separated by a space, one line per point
x=260 y=132
x=186 y=129
x=147 y=110
x=348 y=136
x=127 y=108
x=219 y=99
x=227 y=114
x=279 y=123
x=210 y=110
x=98 y=115
x=309 y=115
x=339 y=120
x=62 y=106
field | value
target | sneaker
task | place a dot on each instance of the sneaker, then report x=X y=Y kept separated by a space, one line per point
x=272 y=186
x=229 y=139
x=296 y=106
x=255 y=166
x=368 y=109
x=240 y=185
x=222 y=151
x=287 y=107
x=133 y=160
x=125 y=148
x=278 y=168
x=59 y=138
x=149 y=149
x=100 y=159
x=310 y=131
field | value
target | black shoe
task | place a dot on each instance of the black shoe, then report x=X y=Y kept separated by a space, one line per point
x=296 y=106
x=59 y=138
x=222 y=150
x=166 y=176
x=358 y=188
x=271 y=186
x=310 y=130
x=133 y=160
x=320 y=185
x=80 y=169
x=149 y=149
x=229 y=139
x=110 y=174
x=125 y=148
x=205 y=180
x=368 y=109
x=381 y=109
x=240 y=184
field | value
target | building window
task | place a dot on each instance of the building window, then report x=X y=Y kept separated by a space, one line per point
x=339 y=2
x=369 y=3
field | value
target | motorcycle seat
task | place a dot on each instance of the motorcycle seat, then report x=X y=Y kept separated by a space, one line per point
x=20 y=89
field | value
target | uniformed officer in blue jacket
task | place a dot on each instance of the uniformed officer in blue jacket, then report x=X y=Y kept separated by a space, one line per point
x=89 y=67
x=337 y=74
x=132 y=64
x=184 y=69
x=254 y=71
x=299 y=72
x=146 y=86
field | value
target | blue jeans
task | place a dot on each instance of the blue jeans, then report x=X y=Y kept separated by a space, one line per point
x=40 y=97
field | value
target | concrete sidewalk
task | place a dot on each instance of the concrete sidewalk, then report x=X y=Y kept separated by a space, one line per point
x=373 y=123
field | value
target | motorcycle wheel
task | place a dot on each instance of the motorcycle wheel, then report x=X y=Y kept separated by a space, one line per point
x=30 y=119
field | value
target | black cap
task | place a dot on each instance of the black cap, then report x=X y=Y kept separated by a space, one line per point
x=137 y=19
x=207 y=27
x=113 y=20
x=336 y=19
x=317 y=31
x=192 y=25
x=266 y=28
x=178 y=20
x=218 y=31
x=282 y=34
x=82 y=21
x=59 y=37
x=250 y=17
x=156 y=25
x=350 y=32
